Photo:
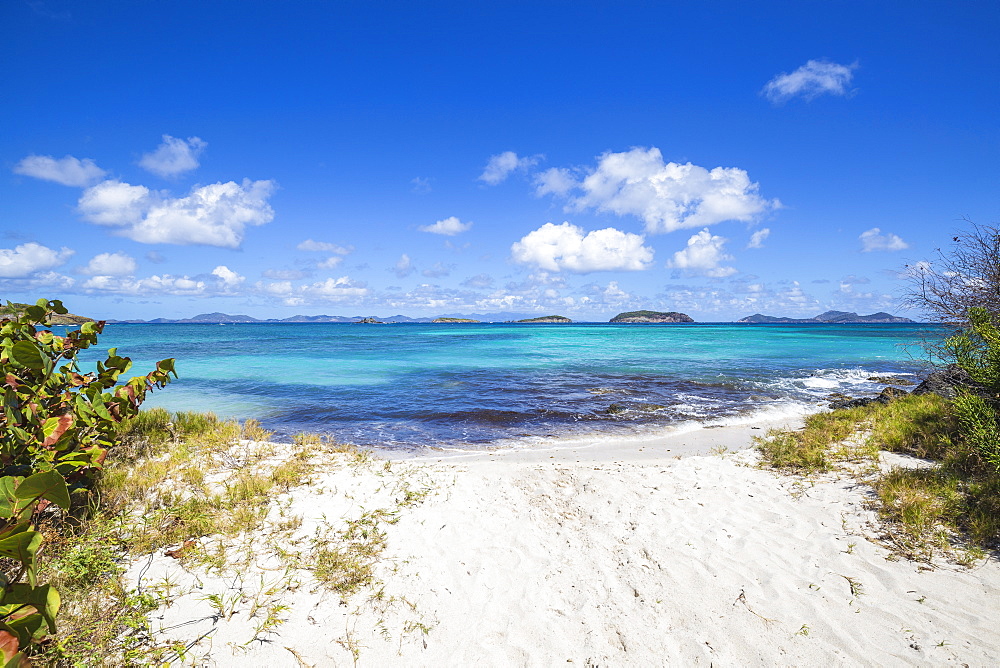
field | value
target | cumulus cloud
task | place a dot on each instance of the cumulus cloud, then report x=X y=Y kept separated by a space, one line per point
x=665 y=196
x=502 y=165
x=68 y=171
x=230 y=279
x=757 y=238
x=448 y=227
x=404 y=266
x=703 y=255
x=212 y=215
x=815 y=78
x=554 y=181
x=30 y=258
x=110 y=264
x=330 y=262
x=335 y=289
x=566 y=247
x=173 y=157
x=874 y=240
x=158 y=284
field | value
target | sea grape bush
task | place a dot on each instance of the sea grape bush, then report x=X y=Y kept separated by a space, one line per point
x=27 y=609
x=56 y=427
x=55 y=417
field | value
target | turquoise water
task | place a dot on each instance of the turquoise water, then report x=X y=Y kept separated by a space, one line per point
x=413 y=385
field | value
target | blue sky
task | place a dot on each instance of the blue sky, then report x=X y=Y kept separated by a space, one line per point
x=579 y=158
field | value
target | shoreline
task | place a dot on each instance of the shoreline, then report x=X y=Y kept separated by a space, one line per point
x=623 y=554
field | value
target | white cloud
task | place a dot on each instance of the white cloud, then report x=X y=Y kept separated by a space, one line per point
x=30 y=258
x=68 y=171
x=163 y=285
x=115 y=203
x=404 y=266
x=110 y=264
x=566 y=247
x=155 y=258
x=874 y=240
x=448 y=227
x=420 y=186
x=814 y=78
x=230 y=279
x=212 y=215
x=277 y=288
x=757 y=238
x=335 y=289
x=703 y=255
x=174 y=156
x=501 y=166
x=554 y=181
x=330 y=262
x=666 y=196
x=324 y=247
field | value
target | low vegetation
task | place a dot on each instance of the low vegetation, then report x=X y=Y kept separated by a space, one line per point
x=211 y=495
x=92 y=486
x=949 y=503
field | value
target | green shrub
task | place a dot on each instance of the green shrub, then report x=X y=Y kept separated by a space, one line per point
x=56 y=427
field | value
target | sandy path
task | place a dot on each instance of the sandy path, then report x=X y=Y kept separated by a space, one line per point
x=521 y=560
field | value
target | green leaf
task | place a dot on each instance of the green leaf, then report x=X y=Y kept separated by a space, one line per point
x=22 y=546
x=27 y=354
x=89 y=327
x=36 y=313
x=45 y=599
x=45 y=485
x=8 y=499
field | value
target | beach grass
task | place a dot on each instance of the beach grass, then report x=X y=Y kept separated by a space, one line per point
x=948 y=505
x=211 y=494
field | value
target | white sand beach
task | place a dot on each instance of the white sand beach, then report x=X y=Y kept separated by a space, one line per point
x=624 y=554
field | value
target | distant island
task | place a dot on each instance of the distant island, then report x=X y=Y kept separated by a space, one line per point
x=547 y=319
x=830 y=317
x=453 y=320
x=16 y=309
x=652 y=316
x=369 y=321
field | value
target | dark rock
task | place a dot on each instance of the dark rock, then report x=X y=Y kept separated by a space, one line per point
x=891 y=380
x=947 y=383
x=890 y=393
x=852 y=403
x=884 y=397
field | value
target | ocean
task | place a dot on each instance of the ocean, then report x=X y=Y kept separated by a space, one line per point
x=413 y=386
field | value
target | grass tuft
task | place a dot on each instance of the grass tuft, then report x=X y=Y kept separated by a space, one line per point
x=953 y=504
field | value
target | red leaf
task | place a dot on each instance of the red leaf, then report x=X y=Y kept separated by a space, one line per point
x=8 y=645
x=65 y=422
x=12 y=380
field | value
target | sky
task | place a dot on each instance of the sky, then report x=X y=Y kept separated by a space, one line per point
x=163 y=159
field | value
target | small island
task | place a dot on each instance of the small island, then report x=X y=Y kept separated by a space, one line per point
x=369 y=321
x=652 y=316
x=15 y=309
x=547 y=319
x=452 y=320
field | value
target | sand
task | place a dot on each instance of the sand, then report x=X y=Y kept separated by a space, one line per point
x=636 y=553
